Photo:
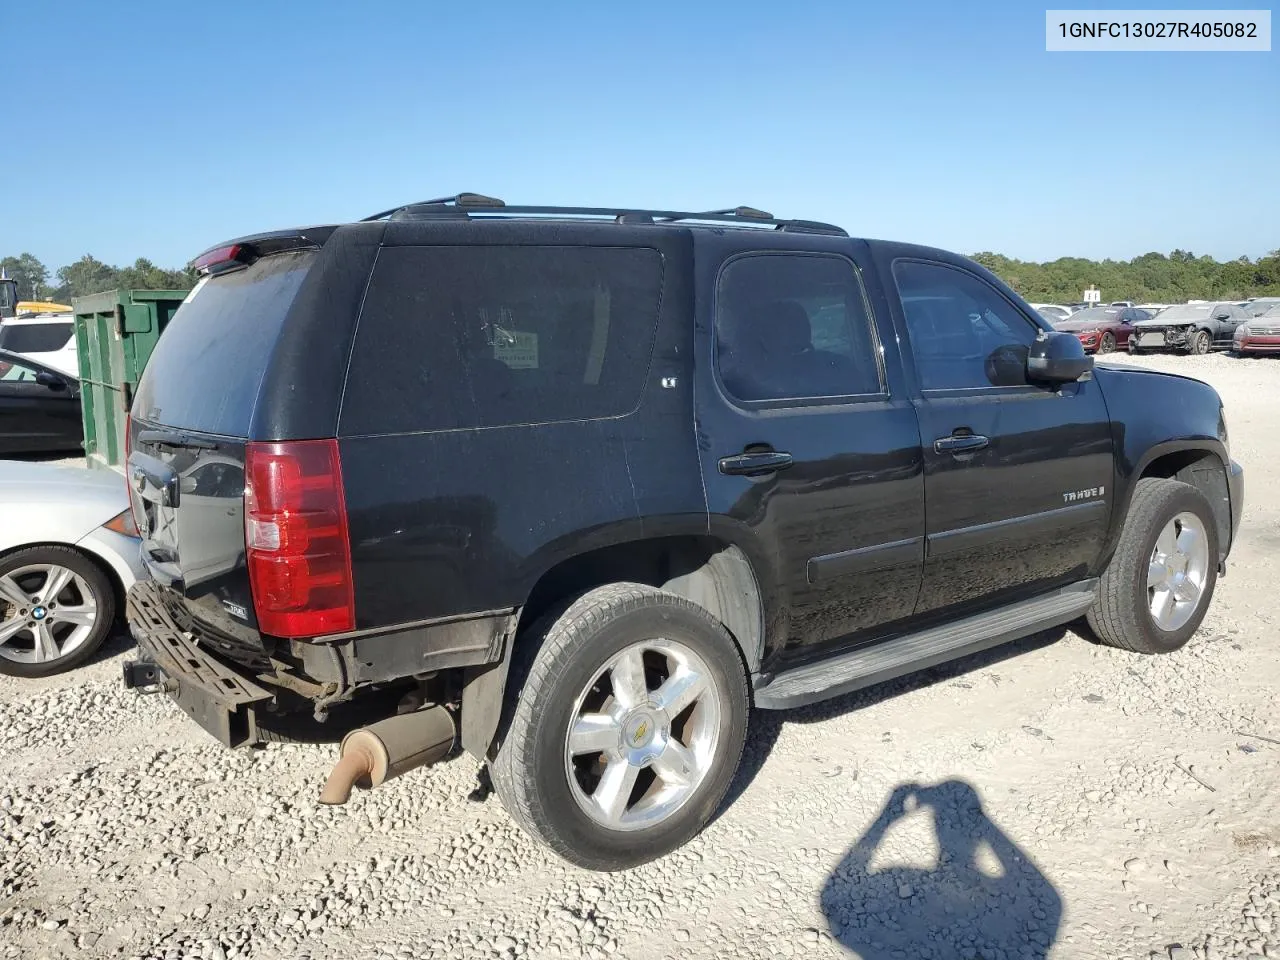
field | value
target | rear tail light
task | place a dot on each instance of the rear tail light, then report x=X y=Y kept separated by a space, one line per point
x=296 y=538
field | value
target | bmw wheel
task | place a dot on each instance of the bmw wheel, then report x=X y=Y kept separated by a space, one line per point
x=56 y=607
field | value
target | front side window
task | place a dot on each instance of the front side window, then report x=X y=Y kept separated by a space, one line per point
x=964 y=334
x=794 y=326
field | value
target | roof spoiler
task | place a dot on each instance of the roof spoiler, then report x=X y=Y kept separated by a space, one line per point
x=237 y=254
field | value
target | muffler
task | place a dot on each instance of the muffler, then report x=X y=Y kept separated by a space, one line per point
x=372 y=755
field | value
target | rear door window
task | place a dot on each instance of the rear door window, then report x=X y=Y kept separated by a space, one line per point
x=483 y=336
x=208 y=365
x=794 y=327
x=35 y=337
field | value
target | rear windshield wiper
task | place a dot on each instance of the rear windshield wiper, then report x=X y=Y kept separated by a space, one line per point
x=174 y=439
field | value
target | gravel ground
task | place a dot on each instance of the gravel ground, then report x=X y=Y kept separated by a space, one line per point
x=1054 y=798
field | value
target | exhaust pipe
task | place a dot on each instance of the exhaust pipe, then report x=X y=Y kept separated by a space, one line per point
x=374 y=754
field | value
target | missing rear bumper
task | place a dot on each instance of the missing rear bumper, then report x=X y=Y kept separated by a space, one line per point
x=223 y=702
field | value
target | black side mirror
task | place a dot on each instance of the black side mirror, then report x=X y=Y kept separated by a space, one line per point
x=1222 y=316
x=1057 y=358
x=50 y=380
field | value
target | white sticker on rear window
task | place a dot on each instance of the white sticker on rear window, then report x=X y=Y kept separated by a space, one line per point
x=517 y=349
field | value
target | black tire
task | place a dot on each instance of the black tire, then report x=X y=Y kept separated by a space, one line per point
x=104 y=596
x=1121 y=615
x=1107 y=344
x=1201 y=343
x=554 y=663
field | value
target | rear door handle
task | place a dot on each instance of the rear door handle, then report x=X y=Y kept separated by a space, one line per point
x=748 y=464
x=965 y=443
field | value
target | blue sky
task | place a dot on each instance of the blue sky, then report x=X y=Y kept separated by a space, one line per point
x=176 y=125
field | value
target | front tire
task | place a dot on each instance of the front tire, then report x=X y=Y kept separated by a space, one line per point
x=1107 y=344
x=56 y=607
x=1200 y=343
x=1156 y=590
x=627 y=724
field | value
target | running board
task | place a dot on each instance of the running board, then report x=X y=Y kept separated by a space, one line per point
x=916 y=651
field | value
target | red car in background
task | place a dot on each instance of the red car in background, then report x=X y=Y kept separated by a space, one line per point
x=1103 y=329
x=1260 y=334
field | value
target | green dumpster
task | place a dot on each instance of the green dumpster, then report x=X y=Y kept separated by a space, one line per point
x=115 y=334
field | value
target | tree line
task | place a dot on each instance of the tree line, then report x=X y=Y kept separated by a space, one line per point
x=89 y=275
x=1150 y=278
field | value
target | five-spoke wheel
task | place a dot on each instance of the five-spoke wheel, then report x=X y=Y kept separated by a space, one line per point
x=55 y=609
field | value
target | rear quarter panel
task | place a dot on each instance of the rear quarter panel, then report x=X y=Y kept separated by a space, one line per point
x=450 y=522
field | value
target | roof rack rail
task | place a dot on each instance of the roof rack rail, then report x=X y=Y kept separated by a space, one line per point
x=463 y=205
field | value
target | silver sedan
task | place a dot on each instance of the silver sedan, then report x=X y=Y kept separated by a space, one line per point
x=68 y=552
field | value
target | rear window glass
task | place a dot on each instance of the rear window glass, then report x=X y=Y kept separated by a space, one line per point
x=208 y=364
x=35 y=337
x=464 y=337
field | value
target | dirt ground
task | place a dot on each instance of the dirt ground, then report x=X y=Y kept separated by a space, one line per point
x=1050 y=799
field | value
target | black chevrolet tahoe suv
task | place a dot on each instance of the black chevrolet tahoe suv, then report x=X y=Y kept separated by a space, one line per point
x=574 y=489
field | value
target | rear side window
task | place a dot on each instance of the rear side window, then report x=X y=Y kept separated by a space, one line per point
x=35 y=337
x=208 y=365
x=483 y=336
x=794 y=326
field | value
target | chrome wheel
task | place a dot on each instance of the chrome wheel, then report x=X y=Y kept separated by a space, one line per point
x=643 y=735
x=1178 y=571
x=47 y=612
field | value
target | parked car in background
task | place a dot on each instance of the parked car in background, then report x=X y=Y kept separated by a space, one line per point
x=1152 y=308
x=1103 y=329
x=1053 y=312
x=46 y=338
x=68 y=554
x=1190 y=328
x=1121 y=303
x=1259 y=334
x=1259 y=306
x=39 y=407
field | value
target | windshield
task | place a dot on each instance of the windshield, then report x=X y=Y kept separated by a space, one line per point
x=207 y=367
x=1187 y=311
x=35 y=337
x=1260 y=306
x=1095 y=315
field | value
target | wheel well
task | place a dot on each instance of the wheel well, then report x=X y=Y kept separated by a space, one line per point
x=1204 y=471
x=713 y=574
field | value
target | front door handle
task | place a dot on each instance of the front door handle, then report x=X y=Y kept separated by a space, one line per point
x=963 y=443
x=750 y=464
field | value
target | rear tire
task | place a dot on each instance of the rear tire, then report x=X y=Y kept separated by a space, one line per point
x=1156 y=590
x=590 y=760
x=36 y=627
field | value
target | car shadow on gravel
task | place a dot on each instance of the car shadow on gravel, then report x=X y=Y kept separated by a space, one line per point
x=766 y=725
x=983 y=897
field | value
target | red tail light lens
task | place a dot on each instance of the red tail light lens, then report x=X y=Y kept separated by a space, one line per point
x=295 y=532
